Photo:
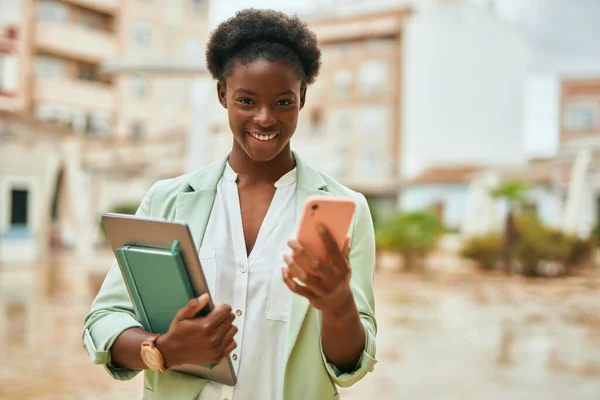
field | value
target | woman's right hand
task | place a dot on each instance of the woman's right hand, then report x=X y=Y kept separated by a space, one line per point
x=198 y=340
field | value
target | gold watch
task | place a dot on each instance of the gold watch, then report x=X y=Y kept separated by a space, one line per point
x=151 y=356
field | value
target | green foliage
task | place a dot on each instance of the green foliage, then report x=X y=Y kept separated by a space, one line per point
x=484 y=250
x=512 y=191
x=414 y=235
x=126 y=208
x=535 y=244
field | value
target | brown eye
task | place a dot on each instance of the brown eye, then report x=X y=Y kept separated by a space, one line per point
x=285 y=102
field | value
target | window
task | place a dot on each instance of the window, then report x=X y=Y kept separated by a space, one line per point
x=316 y=121
x=138 y=130
x=98 y=125
x=2 y=73
x=375 y=122
x=343 y=49
x=197 y=5
x=87 y=72
x=381 y=46
x=52 y=11
x=142 y=33
x=194 y=47
x=50 y=67
x=581 y=117
x=343 y=82
x=19 y=206
x=374 y=77
x=9 y=74
x=140 y=85
x=372 y=163
x=93 y=20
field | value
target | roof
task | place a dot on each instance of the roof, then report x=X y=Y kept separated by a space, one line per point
x=539 y=172
x=446 y=174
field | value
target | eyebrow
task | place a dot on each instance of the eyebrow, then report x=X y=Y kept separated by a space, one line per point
x=242 y=90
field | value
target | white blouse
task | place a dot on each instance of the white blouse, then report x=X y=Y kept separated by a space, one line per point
x=252 y=285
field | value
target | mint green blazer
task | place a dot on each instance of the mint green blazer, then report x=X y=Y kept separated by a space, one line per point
x=308 y=374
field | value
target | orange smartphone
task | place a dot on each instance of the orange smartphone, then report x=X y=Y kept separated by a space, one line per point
x=335 y=213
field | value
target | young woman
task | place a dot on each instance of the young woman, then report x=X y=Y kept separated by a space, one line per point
x=287 y=341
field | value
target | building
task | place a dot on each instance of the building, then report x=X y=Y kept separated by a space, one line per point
x=462 y=105
x=75 y=141
x=579 y=155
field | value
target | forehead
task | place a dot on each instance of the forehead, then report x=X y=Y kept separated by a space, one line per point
x=264 y=77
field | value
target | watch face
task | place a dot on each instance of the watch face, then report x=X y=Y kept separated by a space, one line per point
x=151 y=358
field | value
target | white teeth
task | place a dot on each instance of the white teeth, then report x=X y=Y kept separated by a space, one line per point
x=263 y=137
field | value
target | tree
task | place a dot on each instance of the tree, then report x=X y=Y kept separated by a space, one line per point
x=414 y=235
x=514 y=193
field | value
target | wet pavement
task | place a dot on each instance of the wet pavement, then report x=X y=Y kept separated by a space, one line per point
x=456 y=335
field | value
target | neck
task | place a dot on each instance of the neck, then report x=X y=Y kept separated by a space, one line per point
x=256 y=171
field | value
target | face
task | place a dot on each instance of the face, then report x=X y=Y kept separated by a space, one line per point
x=263 y=100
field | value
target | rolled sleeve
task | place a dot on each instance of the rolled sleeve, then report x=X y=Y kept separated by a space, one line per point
x=98 y=340
x=365 y=364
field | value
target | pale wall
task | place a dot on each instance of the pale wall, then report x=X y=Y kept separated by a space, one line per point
x=464 y=82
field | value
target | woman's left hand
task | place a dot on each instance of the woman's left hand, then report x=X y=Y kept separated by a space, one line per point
x=326 y=282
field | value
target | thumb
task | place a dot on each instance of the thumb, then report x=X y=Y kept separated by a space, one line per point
x=346 y=250
x=192 y=308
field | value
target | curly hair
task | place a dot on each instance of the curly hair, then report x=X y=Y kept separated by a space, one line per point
x=270 y=35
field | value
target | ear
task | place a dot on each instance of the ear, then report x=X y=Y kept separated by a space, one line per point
x=222 y=94
x=302 y=96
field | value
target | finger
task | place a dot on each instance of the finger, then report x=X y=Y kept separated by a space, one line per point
x=309 y=264
x=220 y=313
x=229 y=335
x=295 y=287
x=230 y=347
x=224 y=327
x=192 y=308
x=347 y=244
x=336 y=257
x=295 y=268
x=318 y=287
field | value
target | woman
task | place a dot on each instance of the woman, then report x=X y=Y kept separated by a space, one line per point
x=287 y=341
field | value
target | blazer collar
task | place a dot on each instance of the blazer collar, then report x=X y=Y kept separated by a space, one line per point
x=208 y=176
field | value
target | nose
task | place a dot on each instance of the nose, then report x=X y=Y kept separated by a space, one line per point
x=264 y=117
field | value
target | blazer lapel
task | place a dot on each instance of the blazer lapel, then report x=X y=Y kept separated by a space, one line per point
x=310 y=183
x=195 y=207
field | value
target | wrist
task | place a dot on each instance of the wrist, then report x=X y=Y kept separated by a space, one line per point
x=342 y=309
x=163 y=345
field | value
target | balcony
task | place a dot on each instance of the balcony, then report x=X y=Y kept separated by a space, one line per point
x=88 y=95
x=110 y=7
x=75 y=42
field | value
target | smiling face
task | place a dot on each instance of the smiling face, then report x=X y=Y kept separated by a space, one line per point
x=263 y=99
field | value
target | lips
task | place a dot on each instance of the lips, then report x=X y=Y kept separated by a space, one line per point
x=264 y=136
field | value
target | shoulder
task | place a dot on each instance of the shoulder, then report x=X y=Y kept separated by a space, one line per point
x=338 y=189
x=362 y=216
x=162 y=195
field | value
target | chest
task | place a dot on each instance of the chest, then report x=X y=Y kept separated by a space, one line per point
x=254 y=204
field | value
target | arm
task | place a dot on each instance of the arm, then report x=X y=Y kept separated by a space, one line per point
x=343 y=336
x=342 y=290
x=112 y=314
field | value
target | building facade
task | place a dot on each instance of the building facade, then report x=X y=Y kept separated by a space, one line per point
x=76 y=141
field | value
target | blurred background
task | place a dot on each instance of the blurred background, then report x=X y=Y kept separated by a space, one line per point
x=473 y=128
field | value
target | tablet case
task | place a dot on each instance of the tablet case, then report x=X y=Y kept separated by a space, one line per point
x=158 y=284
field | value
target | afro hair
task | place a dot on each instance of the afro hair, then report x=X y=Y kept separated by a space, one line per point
x=270 y=35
